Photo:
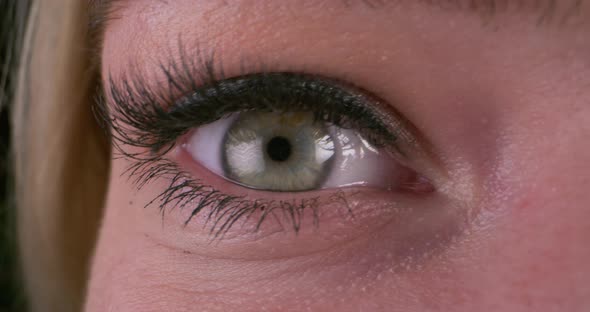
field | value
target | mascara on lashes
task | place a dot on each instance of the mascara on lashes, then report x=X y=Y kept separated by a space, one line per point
x=142 y=121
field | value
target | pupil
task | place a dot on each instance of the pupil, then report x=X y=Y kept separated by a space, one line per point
x=278 y=149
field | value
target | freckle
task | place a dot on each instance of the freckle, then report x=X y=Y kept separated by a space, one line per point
x=130 y=202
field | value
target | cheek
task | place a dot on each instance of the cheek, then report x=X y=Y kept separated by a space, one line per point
x=531 y=248
x=525 y=252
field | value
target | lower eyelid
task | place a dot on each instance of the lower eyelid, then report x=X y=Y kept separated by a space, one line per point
x=415 y=223
x=407 y=225
x=197 y=171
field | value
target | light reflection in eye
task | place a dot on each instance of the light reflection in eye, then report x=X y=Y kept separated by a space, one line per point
x=291 y=152
x=326 y=152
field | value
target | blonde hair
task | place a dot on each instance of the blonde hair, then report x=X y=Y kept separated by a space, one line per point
x=61 y=156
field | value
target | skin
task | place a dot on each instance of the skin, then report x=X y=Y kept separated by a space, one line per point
x=502 y=103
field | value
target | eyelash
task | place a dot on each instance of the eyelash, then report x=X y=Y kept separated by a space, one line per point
x=153 y=121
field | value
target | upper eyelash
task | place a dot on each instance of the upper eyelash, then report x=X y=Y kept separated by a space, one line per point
x=149 y=118
x=137 y=107
x=142 y=120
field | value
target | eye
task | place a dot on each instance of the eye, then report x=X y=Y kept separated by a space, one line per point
x=292 y=152
x=296 y=147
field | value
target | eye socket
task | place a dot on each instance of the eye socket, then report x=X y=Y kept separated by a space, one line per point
x=234 y=128
x=292 y=152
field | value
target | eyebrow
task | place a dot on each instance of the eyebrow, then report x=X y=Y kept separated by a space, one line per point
x=550 y=11
x=99 y=13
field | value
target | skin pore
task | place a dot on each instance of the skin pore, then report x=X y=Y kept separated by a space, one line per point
x=498 y=94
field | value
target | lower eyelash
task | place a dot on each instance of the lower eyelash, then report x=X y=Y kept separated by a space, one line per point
x=224 y=210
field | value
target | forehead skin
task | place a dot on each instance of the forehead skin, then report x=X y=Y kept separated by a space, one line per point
x=504 y=100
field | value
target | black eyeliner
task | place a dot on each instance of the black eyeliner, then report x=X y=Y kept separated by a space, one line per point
x=284 y=92
x=158 y=125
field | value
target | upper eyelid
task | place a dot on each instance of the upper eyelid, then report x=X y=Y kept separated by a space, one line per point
x=133 y=101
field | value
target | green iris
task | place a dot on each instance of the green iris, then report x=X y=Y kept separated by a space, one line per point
x=277 y=151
